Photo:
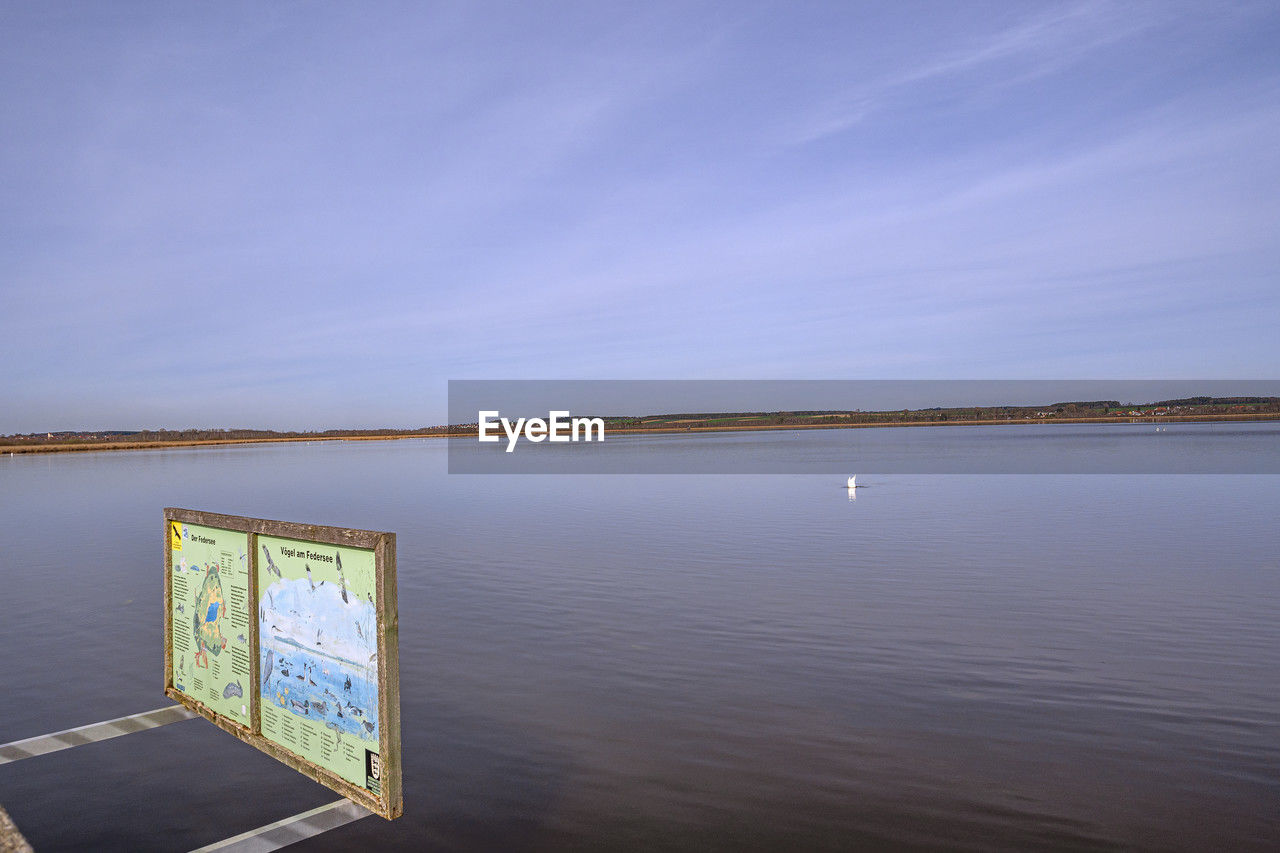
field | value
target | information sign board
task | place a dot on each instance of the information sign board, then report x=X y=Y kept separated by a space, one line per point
x=209 y=618
x=285 y=635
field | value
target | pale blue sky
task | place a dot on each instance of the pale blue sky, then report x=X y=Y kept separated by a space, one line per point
x=299 y=215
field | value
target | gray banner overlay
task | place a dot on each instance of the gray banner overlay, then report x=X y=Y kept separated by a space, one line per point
x=920 y=426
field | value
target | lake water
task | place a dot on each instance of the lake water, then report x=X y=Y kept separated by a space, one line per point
x=676 y=662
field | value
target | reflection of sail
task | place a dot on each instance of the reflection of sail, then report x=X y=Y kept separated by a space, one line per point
x=853 y=495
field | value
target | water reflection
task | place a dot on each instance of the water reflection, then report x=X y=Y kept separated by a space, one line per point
x=982 y=662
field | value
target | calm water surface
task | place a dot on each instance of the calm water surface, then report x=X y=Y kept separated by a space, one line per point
x=687 y=662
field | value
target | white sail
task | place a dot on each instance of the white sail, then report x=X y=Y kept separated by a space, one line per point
x=853 y=481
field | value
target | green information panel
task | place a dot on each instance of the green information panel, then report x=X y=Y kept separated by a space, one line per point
x=209 y=619
x=286 y=635
x=318 y=634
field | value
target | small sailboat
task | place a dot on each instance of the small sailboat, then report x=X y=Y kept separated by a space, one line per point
x=853 y=482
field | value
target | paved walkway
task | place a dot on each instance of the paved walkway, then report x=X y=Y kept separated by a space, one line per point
x=67 y=738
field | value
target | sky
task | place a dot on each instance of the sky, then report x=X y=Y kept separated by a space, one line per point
x=313 y=215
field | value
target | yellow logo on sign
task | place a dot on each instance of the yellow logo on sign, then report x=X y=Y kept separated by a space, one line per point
x=175 y=536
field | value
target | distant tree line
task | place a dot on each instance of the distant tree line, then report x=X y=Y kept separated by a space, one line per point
x=1113 y=409
x=161 y=436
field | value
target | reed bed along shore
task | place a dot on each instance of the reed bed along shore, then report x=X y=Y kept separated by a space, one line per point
x=89 y=446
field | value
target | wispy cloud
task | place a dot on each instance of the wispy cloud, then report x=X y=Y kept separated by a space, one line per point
x=274 y=209
x=1043 y=43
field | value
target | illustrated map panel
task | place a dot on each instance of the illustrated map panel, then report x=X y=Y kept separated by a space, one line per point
x=210 y=624
x=318 y=636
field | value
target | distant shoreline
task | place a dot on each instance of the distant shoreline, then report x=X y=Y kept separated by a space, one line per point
x=86 y=447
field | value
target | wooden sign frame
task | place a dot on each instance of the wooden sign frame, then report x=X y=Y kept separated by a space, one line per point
x=389 y=801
